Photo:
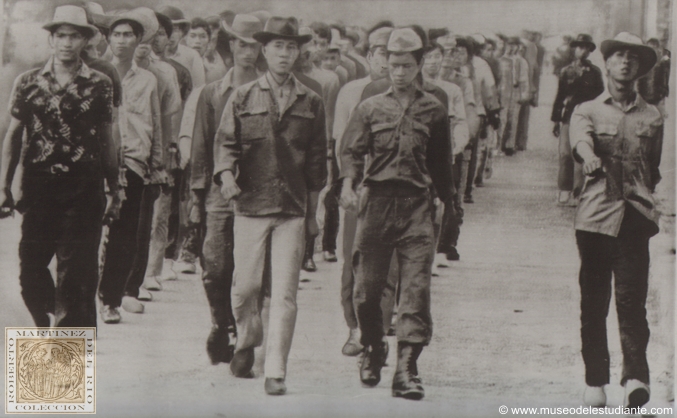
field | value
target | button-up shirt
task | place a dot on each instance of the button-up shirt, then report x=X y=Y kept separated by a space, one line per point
x=349 y=97
x=63 y=124
x=578 y=83
x=629 y=143
x=409 y=145
x=170 y=108
x=456 y=109
x=141 y=126
x=210 y=105
x=278 y=159
x=486 y=96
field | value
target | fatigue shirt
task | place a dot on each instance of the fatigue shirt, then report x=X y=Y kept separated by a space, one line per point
x=63 y=124
x=629 y=143
x=208 y=111
x=191 y=59
x=279 y=155
x=141 y=125
x=577 y=84
x=402 y=145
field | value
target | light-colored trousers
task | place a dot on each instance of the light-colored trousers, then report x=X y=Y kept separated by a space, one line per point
x=288 y=241
x=158 y=236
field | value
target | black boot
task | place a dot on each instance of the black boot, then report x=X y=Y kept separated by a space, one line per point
x=406 y=383
x=372 y=362
x=308 y=263
x=219 y=348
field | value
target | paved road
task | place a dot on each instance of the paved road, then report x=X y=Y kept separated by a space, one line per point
x=506 y=327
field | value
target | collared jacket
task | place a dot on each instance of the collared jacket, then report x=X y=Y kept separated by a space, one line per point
x=140 y=122
x=401 y=145
x=629 y=143
x=278 y=155
x=577 y=84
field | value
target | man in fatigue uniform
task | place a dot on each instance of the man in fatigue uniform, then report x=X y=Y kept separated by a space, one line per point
x=618 y=138
x=397 y=130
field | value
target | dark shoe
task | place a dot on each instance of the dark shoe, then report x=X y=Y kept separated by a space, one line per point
x=453 y=254
x=370 y=368
x=330 y=256
x=406 y=383
x=479 y=184
x=309 y=265
x=468 y=199
x=386 y=350
x=219 y=349
x=509 y=152
x=352 y=347
x=275 y=386
x=242 y=362
x=636 y=393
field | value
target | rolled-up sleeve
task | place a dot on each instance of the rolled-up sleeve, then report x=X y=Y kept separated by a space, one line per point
x=226 y=144
x=315 y=169
x=581 y=129
x=356 y=142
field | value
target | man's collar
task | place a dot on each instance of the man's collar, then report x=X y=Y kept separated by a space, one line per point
x=606 y=98
x=417 y=93
x=226 y=81
x=295 y=84
x=84 y=71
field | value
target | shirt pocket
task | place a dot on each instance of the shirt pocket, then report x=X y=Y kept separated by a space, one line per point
x=383 y=135
x=608 y=141
x=253 y=124
x=138 y=102
x=646 y=132
x=301 y=123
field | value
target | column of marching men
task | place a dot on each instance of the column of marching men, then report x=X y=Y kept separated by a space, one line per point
x=214 y=141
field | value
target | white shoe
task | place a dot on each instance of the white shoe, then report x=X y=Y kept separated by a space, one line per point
x=636 y=393
x=132 y=305
x=169 y=273
x=152 y=283
x=594 y=396
x=144 y=295
x=563 y=197
x=184 y=267
x=441 y=260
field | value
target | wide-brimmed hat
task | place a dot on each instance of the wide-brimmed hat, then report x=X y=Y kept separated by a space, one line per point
x=281 y=28
x=625 y=40
x=244 y=27
x=144 y=17
x=175 y=14
x=71 y=15
x=584 y=40
x=97 y=15
x=262 y=15
x=380 y=37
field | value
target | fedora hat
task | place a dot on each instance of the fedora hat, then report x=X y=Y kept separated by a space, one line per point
x=585 y=40
x=625 y=40
x=244 y=27
x=71 y=15
x=281 y=28
x=144 y=17
x=176 y=15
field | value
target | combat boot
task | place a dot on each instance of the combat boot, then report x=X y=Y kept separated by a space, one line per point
x=372 y=363
x=406 y=383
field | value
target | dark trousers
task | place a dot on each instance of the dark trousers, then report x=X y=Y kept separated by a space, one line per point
x=63 y=218
x=523 y=128
x=394 y=218
x=627 y=257
x=217 y=266
x=124 y=266
x=452 y=218
x=474 y=147
x=331 y=218
x=174 y=221
x=185 y=242
x=388 y=301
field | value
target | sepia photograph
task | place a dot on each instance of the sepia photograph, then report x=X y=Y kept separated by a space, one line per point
x=338 y=208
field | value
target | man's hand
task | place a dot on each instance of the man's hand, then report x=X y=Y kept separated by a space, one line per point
x=196 y=207
x=592 y=167
x=348 y=198
x=229 y=188
x=556 y=130
x=311 y=227
x=113 y=204
x=6 y=203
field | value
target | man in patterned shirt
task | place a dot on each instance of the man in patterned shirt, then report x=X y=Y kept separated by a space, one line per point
x=66 y=110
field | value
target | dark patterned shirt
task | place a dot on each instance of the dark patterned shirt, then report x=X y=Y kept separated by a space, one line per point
x=63 y=124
